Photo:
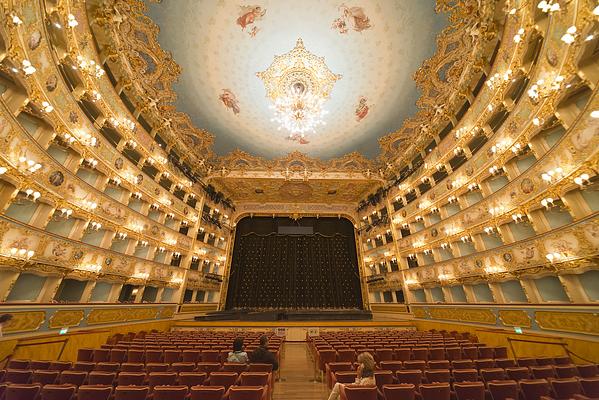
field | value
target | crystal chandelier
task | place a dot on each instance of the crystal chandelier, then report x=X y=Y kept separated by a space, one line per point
x=298 y=84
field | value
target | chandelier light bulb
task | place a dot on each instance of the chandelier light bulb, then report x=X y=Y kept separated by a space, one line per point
x=71 y=21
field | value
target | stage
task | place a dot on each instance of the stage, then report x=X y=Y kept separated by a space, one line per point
x=286 y=315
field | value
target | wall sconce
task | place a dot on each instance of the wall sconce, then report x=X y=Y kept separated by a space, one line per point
x=93 y=226
x=570 y=36
x=428 y=252
x=549 y=175
x=553 y=257
x=582 y=180
x=116 y=181
x=23 y=253
x=548 y=203
x=495 y=170
x=26 y=164
x=170 y=215
x=31 y=194
x=28 y=69
x=176 y=254
x=466 y=238
x=90 y=162
x=155 y=206
x=142 y=243
x=418 y=218
x=519 y=217
x=458 y=151
x=71 y=21
x=405 y=226
x=452 y=199
x=90 y=205
x=473 y=186
x=434 y=210
x=161 y=249
x=121 y=235
x=412 y=256
x=445 y=246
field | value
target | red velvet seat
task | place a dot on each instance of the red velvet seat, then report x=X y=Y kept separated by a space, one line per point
x=410 y=376
x=258 y=367
x=526 y=362
x=383 y=377
x=587 y=370
x=435 y=391
x=101 y=378
x=210 y=356
x=235 y=367
x=135 y=356
x=169 y=393
x=346 y=355
x=436 y=353
x=353 y=392
x=566 y=370
x=172 y=356
x=565 y=388
x=192 y=378
x=420 y=353
x=58 y=392
x=590 y=386
x=118 y=355
x=403 y=354
x=76 y=378
x=85 y=354
x=453 y=353
x=84 y=366
x=505 y=363
x=346 y=377
x=107 y=367
x=247 y=393
x=484 y=364
x=462 y=364
x=469 y=390
x=101 y=355
x=18 y=364
x=415 y=364
x=154 y=356
x=208 y=367
x=157 y=367
x=183 y=367
x=17 y=376
x=437 y=376
x=543 y=372
x=438 y=364
x=392 y=366
x=465 y=375
x=132 y=367
x=22 y=392
x=193 y=356
x=518 y=373
x=207 y=392
x=534 y=389
x=162 y=379
x=493 y=374
x=383 y=354
x=226 y=379
x=131 y=379
x=39 y=364
x=470 y=353
x=94 y=392
x=403 y=391
x=131 y=392
x=44 y=377
x=500 y=352
x=562 y=360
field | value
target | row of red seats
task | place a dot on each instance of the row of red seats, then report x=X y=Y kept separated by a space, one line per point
x=104 y=392
x=155 y=355
x=532 y=389
x=78 y=378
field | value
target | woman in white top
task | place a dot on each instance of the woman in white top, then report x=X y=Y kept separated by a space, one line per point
x=238 y=355
x=365 y=375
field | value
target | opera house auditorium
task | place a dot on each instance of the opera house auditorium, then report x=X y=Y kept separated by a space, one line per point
x=299 y=200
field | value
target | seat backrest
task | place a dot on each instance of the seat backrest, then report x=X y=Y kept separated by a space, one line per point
x=132 y=367
x=44 y=377
x=346 y=376
x=207 y=392
x=590 y=386
x=161 y=378
x=502 y=390
x=402 y=391
x=410 y=376
x=101 y=378
x=469 y=390
x=22 y=392
x=465 y=375
x=246 y=392
x=258 y=367
x=437 y=375
x=192 y=378
x=435 y=391
x=566 y=388
x=17 y=376
x=94 y=392
x=254 y=378
x=131 y=392
x=170 y=392
x=131 y=378
x=383 y=377
x=225 y=379
x=533 y=389
x=353 y=392
x=566 y=371
x=58 y=392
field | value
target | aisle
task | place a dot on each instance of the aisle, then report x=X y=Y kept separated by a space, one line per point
x=297 y=375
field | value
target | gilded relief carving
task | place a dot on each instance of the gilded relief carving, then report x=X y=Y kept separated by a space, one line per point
x=66 y=318
x=25 y=321
x=515 y=318
x=479 y=315
x=579 y=322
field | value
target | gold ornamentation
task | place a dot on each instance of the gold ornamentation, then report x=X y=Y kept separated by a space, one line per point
x=478 y=315
x=579 y=322
x=66 y=318
x=25 y=321
x=419 y=312
x=515 y=318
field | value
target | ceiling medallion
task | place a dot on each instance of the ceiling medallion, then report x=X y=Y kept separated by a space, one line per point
x=298 y=83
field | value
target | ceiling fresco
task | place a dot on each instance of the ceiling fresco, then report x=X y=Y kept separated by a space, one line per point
x=375 y=46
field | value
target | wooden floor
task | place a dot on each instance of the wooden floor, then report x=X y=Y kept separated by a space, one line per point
x=297 y=375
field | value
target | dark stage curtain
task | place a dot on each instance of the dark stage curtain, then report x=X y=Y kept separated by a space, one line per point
x=294 y=271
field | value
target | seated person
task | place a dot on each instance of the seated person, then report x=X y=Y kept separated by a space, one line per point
x=365 y=375
x=262 y=356
x=238 y=355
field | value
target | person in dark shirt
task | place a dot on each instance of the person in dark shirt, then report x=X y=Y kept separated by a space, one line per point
x=262 y=356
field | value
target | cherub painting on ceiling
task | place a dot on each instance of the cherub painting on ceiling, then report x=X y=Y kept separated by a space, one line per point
x=362 y=109
x=230 y=101
x=300 y=138
x=351 y=18
x=248 y=16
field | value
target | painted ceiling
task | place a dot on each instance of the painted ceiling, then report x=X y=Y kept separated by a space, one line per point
x=220 y=45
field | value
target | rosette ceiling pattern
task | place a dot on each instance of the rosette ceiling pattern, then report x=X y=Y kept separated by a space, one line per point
x=220 y=45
